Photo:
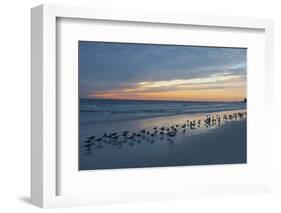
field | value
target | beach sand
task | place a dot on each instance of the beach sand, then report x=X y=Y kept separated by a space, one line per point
x=224 y=143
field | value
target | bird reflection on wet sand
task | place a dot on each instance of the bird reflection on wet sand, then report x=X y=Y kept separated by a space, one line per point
x=150 y=136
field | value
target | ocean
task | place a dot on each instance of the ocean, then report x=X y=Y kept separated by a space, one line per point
x=108 y=109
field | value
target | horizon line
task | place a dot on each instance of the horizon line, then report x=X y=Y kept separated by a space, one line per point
x=120 y=99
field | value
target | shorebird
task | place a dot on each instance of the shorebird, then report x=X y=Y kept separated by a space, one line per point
x=171 y=134
x=87 y=145
x=125 y=133
x=99 y=139
x=91 y=137
x=114 y=133
x=87 y=141
x=192 y=125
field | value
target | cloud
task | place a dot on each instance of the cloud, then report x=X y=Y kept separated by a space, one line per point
x=105 y=67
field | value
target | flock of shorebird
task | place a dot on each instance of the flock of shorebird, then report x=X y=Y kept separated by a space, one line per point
x=131 y=138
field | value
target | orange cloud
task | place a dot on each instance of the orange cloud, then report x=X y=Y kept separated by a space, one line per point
x=212 y=88
x=207 y=95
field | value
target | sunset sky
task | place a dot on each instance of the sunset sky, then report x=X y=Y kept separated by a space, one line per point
x=161 y=72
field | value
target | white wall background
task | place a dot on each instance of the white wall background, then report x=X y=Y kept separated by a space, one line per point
x=15 y=103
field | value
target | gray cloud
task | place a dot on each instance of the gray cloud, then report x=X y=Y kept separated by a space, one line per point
x=109 y=66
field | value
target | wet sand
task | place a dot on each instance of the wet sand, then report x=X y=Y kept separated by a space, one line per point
x=223 y=143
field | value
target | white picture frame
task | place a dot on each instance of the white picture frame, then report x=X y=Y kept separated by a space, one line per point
x=45 y=168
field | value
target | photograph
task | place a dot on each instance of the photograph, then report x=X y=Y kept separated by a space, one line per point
x=161 y=105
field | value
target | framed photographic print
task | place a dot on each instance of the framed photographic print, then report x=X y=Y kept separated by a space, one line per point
x=151 y=105
x=130 y=106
